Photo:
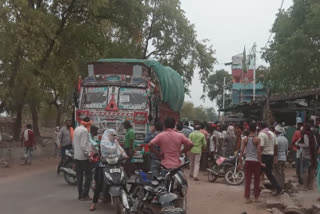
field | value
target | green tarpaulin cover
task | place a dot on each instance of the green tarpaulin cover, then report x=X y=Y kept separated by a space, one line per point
x=172 y=87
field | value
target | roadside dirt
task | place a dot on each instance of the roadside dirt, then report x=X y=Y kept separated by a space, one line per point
x=17 y=171
x=207 y=198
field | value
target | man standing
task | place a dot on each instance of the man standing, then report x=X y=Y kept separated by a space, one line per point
x=186 y=130
x=155 y=161
x=170 y=143
x=229 y=144
x=238 y=133
x=282 y=155
x=295 y=139
x=215 y=140
x=269 y=148
x=203 y=130
x=251 y=146
x=64 y=141
x=28 y=141
x=199 y=142
x=55 y=139
x=129 y=147
x=82 y=150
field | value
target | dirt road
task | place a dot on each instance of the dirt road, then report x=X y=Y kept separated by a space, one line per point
x=37 y=189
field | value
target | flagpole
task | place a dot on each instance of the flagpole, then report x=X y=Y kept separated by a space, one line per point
x=254 y=71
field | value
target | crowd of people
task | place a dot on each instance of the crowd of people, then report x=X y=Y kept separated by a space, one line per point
x=263 y=149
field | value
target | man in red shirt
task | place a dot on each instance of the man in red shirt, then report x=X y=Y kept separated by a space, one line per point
x=28 y=141
x=170 y=143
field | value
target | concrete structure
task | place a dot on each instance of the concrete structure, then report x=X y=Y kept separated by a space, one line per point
x=243 y=93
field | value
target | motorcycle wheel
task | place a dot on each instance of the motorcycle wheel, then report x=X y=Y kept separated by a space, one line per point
x=182 y=203
x=71 y=180
x=119 y=207
x=234 y=177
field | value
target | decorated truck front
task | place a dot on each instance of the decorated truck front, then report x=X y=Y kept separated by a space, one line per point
x=140 y=91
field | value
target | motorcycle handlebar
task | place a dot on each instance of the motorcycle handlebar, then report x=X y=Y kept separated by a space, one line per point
x=175 y=170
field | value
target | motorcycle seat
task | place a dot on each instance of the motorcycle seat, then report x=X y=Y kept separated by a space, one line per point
x=230 y=159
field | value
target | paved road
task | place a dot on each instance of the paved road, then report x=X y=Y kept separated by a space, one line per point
x=43 y=193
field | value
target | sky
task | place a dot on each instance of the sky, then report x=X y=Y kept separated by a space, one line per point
x=230 y=25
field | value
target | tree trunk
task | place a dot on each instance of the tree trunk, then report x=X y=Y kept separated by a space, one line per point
x=17 y=125
x=35 y=120
x=58 y=118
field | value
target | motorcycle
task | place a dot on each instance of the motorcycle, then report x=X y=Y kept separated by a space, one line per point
x=169 y=190
x=225 y=168
x=68 y=167
x=115 y=183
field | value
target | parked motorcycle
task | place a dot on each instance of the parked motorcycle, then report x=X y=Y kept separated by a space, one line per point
x=168 y=191
x=225 y=168
x=68 y=167
x=115 y=183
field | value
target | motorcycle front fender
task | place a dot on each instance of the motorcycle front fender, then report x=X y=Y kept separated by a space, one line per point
x=124 y=198
x=115 y=191
x=68 y=171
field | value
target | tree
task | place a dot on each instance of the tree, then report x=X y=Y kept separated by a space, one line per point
x=187 y=111
x=214 y=86
x=169 y=37
x=294 y=52
x=211 y=113
x=45 y=45
x=199 y=113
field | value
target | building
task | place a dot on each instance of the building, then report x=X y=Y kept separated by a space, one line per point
x=243 y=77
x=243 y=93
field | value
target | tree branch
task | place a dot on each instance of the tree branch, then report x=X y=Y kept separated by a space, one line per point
x=65 y=15
x=150 y=33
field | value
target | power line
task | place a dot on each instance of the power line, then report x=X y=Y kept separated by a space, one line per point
x=271 y=31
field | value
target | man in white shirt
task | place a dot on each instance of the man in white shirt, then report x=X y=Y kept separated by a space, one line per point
x=82 y=151
x=269 y=151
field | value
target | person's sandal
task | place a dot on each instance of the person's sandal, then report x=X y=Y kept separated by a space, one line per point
x=93 y=207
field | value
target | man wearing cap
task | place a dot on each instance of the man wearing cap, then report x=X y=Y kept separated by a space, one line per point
x=82 y=151
x=64 y=141
x=282 y=155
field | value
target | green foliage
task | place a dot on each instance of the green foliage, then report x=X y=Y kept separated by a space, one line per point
x=212 y=116
x=199 y=113
x=294 y=53
x=169 y=37
x=214 y=86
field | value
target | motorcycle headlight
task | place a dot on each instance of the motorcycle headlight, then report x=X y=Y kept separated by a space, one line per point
x=112 y=160
x=108 y=176
x=68 y=153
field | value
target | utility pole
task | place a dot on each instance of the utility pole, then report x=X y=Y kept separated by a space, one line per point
x=223 y=95
x=254 y=71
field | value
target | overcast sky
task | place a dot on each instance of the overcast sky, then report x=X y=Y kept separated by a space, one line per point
x=230 y=25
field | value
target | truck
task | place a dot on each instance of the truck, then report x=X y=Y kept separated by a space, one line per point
x=140 y=91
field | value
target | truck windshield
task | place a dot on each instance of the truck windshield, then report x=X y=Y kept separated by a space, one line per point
x=132 y=98
x=94 y=97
